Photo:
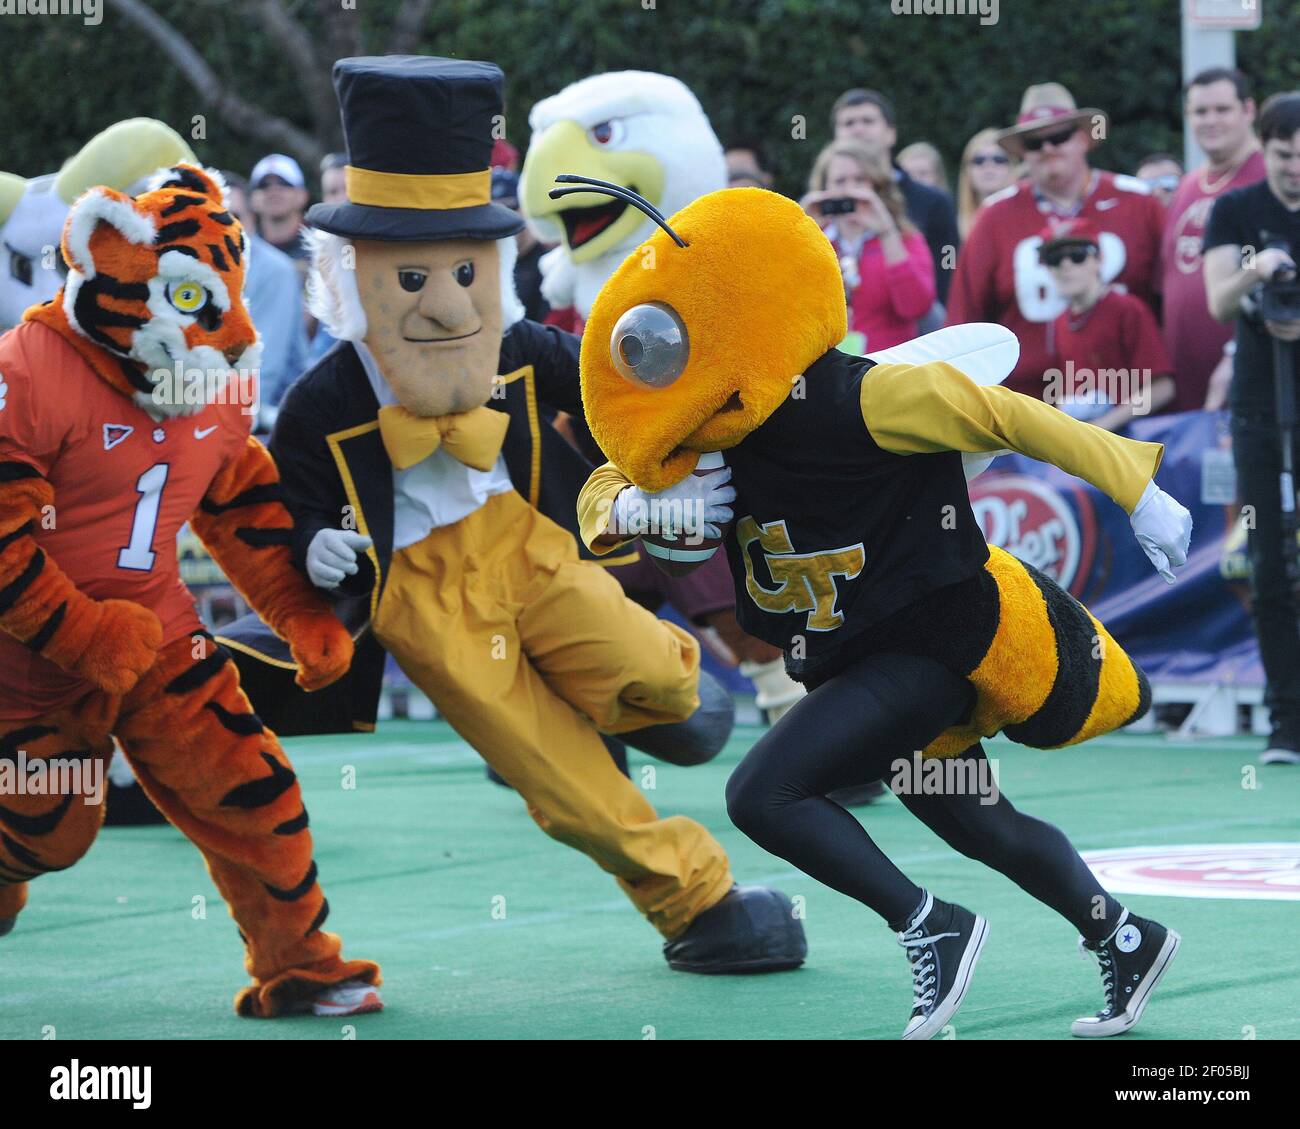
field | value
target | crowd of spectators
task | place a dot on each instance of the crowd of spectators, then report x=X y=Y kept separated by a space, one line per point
x=1091 y=269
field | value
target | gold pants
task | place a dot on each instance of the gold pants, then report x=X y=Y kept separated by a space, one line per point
x=527 y=651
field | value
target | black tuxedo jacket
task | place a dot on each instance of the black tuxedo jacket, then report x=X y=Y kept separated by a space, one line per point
x=336 y=474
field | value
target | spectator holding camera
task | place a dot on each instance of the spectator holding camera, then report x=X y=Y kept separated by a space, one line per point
x=867 y=117
x=1251 y=244
x=888 y=272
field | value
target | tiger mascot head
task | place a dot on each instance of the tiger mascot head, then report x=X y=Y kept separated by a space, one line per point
x=157 y=281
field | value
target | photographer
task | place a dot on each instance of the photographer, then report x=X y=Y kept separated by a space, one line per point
x=1251 y=243
x=889 y=279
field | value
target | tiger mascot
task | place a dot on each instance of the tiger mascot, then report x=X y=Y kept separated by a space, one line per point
x=118 y=425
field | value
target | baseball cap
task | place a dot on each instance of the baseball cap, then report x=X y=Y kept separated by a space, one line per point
x=505 y=185
x=277 y=164
x=1077 y=231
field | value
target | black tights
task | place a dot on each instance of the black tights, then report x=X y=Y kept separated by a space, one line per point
x=851 y=730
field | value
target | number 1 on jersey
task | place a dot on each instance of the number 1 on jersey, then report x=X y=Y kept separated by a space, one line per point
x=139 y=554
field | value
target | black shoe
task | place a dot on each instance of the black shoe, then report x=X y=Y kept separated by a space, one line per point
x=753 y=929
x=1283 y=748
x=1132 y=960
x=7 y=925
x=943 y=942
x=858 y=795
x=129 y=807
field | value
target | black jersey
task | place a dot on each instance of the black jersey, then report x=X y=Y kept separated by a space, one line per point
x=832 y=533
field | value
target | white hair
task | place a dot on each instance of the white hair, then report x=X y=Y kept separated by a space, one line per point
x=334 y=300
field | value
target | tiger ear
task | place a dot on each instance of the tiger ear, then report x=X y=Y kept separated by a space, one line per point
x=194 y=178
x=102 y=206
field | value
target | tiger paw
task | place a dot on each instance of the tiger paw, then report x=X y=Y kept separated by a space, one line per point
x=321 y=646
x=123 y=646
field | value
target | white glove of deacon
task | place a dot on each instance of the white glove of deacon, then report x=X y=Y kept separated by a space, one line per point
x=332 y=555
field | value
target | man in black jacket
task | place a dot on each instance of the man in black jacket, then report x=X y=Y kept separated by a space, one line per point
x=412 y=458
x=868 y=117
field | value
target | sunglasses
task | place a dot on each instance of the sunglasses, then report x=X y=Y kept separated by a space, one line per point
x=1168 y=182
x=1076 y=255
x=992 y=159
x=1033 y=144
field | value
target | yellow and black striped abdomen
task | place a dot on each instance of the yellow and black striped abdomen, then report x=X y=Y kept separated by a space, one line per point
x=1052 y=674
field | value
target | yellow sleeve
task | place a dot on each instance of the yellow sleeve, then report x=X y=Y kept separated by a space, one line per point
x=915 y=409
x=595 y=500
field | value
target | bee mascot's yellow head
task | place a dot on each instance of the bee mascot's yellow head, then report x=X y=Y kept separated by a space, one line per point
x=695 y=340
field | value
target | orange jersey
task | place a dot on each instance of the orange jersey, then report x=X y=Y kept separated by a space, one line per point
x=124 y=485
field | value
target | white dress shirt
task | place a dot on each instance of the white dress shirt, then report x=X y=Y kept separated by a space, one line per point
x=440 y=490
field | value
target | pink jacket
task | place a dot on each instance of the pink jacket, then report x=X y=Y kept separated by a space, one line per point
x=891 y=297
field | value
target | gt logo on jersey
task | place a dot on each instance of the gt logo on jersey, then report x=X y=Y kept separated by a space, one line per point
x=806 y=580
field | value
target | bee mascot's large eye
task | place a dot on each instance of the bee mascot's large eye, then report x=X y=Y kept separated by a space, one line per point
x=188 y=297
x=649 y=346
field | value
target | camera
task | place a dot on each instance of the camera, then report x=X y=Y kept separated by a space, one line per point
x=1279 y=300
x=840 y=206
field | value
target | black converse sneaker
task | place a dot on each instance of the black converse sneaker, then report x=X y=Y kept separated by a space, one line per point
x=943 y=942
x=1132 y=960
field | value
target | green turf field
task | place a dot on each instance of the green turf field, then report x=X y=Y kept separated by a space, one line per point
x=413 y=858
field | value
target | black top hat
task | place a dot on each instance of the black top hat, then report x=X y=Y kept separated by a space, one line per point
x=419 y=137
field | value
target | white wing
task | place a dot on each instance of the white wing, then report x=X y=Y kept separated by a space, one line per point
x=984 y=352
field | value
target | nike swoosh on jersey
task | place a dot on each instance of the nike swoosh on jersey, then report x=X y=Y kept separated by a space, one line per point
x=205 y=432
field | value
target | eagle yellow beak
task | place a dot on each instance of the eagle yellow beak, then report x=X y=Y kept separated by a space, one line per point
x=589 y=224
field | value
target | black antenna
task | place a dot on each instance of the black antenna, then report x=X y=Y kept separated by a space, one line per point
x=604 y=188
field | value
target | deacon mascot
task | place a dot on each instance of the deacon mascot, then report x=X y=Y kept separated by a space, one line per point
x=854 y=548
x=415 y=461
x=119 y=422
x=649 y=133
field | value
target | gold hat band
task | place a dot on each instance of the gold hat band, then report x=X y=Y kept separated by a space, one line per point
x=414 y=190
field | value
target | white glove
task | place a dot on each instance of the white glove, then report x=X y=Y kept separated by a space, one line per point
x=1163 y=528
x=332 y=555
x=693 y=508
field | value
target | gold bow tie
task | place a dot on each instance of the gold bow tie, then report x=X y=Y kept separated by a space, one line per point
x=473 y=438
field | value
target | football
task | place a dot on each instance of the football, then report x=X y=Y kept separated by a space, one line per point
x=677 y=556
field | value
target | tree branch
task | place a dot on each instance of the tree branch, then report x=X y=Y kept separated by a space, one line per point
x=239 y=115
x=293 y=40
x=407 y=26
x=342 y=29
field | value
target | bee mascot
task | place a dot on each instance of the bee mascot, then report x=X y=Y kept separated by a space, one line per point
x=648 y=132
x=420 y=468
x=854 y=549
